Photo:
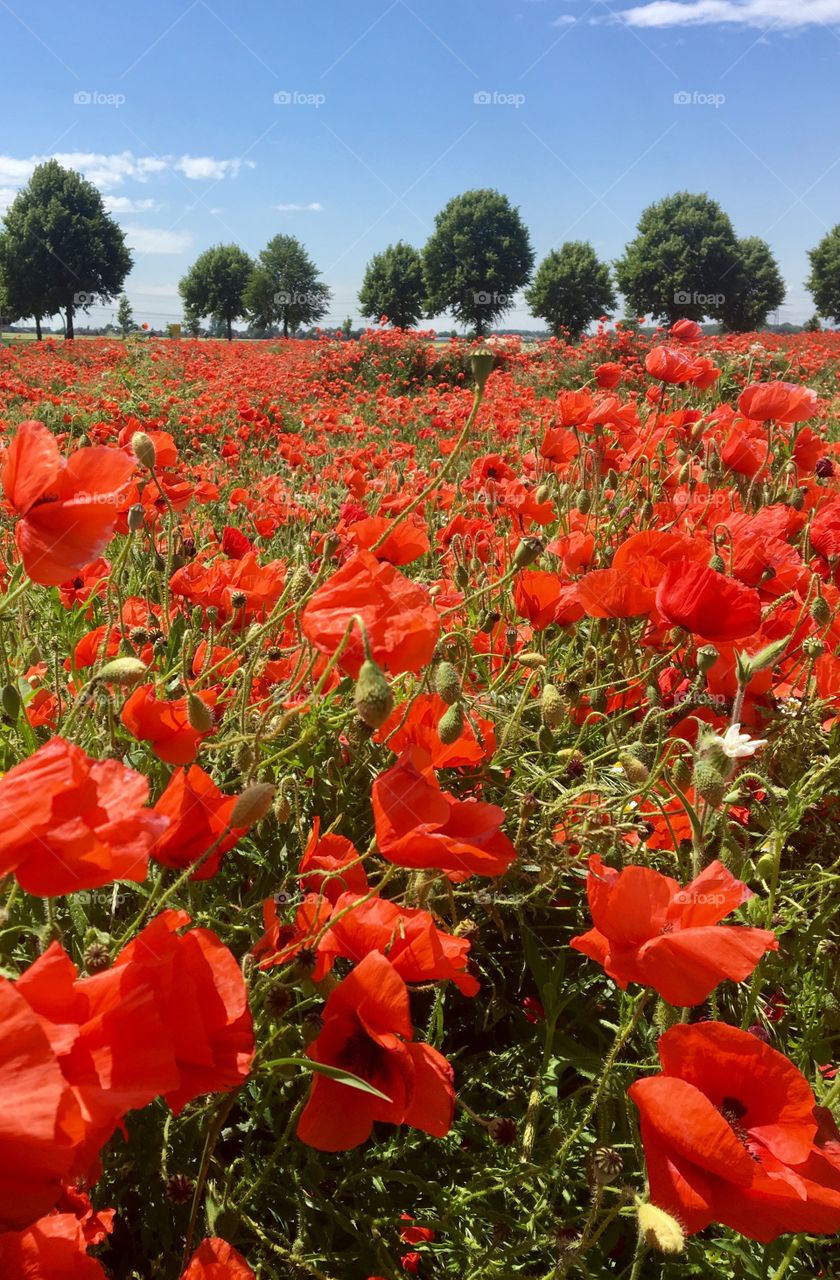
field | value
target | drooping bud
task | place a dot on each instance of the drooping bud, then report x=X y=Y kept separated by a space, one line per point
x=372 y=696
x=634 y=770
x=253 y=805
x=532 y=660
x=529 y=550
x=136 y=517
x=10 y=701
x=446 y=682
x=583 y=501
x=451 y=724
x=717 y=563
x=143 y=448
x=820 y=610
x=123 y=671
x=199 y=714
x=659 y=1230
x=551 y=706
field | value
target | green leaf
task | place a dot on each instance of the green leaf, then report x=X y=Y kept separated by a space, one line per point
x=334 y=1073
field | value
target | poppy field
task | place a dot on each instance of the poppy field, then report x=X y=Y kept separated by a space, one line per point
x=419 y=800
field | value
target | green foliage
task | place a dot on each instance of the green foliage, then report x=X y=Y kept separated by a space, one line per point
x=682 y=261
x=757 y=287
x=125 y=316
x=477 y=257
x=824 y=280
x=215 y=285
x=284 y=288
x=571 y=289
x=60 y=250
x=393 y=286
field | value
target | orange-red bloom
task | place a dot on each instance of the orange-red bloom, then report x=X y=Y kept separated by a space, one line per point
x=650 y=930
x=781 y=401
x=166 y=725
x=707 y=603
x=330 y=865
x=367 y=1032
x=68 y=507
x=53 y=1248
x=215 y=1259
x=732 y=1135
x=401 y=623
x=418 y=825
x=199 y=818
x=68 y=822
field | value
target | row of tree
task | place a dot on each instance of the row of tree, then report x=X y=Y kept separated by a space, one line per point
x=60 y=251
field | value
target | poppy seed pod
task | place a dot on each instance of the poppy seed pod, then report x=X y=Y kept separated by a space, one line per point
x=253 y=805
x=659 y=1230
x=707 y=656
x=372 y=696
x=481 y=364
x=143 y=448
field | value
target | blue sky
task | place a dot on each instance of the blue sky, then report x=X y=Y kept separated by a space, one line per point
x=580 y=111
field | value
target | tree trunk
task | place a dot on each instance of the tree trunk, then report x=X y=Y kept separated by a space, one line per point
x=285 y=327
x=69 y=331
x=37 y=328
x=229 y=330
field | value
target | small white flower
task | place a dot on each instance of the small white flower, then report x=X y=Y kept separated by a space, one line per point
x=737 y=745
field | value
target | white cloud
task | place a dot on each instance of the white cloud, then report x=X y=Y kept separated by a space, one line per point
x=156 y=240
x=313 y=207
x=124 y=204
x=109 y=171
x=751 y=13
x=565 y=20
x=204 y=167
x=7 y=195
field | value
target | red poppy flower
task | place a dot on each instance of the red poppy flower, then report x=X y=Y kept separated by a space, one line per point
x=707 y=603
x=407 y=542
x=215 y=1259
x=402 y=626
x=165 y=725
x=408 y=936
x=732 y=1135
x=55 y=1248
x=418 y=825
x=68 y=507
x=282 y=943
x=608 y=375
x=215 y=584
x=68 y=822
x=650 y=930
x=199 y=818
x=330 y=865
x=688 y=331
x=544 y=598
x=670 y=364
x=414 y=1234
x=367 y=1032
x=235 y=544
x=780 y=401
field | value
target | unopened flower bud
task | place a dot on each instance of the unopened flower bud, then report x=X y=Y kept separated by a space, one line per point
x=532 y=660
x=136 y=517
x=820 y=610
x=372 y=696
x=634 y=770
x=122 y=671
x=10 y=701
x=253 y=805
x=583 y=501
x=446 y=683
x=551 y=706
x=529 y=550
x=659 y=1230
x=143 y=448
x=199 y=714
x=717 y=563
x=451 y=724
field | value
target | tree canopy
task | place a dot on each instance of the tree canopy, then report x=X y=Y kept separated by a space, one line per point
x=284 y=287
x=571 y=289
x=824 y=280
x=393 y=286
x=215 y=285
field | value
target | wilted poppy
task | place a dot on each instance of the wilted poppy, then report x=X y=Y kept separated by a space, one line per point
x=367 y=1032
x=650 y=930
x=732 y=1135
x=68 y=507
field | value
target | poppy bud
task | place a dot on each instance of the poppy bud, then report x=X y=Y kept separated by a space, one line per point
x=636 y=772
x=481 y=364
x=462 y=577
x=543 y=493
x=300 y=582
x=122 y=671
x=551 y=706
x=709 y=780
x=447 y=684
x=143 y=448
x=10 y=701
x=820 y=610
x=659 y=1230
x=796 y=499
x=647 y=509
x=545 y=740
x=529 y=550
x=282 y=805
x=488 y=621
x=199 y=714
x=598 y=700
x=451 y=724
x=372 y=696
x=717 y=563
x=253 y=805
x=583 y=501
x=707 y=656
x=136 y=517
x=680 y=772
x=532 y=660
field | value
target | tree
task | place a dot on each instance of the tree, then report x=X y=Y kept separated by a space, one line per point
x=125 y=316
x=571 y=289
x=681 y=261
x=215 y=285
x=62 y=251
x=824 y=280
x=477 y=257
x=393 y=286
x=284 y=287
x=192 y=322
x=754 y=288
